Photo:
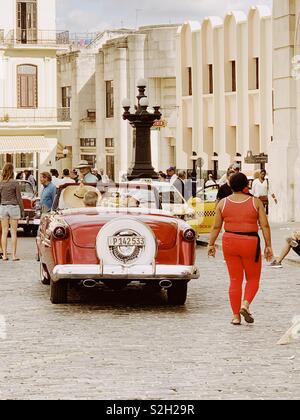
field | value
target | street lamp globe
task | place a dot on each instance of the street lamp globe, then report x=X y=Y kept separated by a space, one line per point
x=126 y=103
x=142 y=83
x=144 y=102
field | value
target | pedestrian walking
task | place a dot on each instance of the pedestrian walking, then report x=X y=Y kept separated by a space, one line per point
x=48 y=193
x=162 y=177
x=211 y=182
x=11 y=209
x=242 y=216
x=261 y=190
x=225 y=190
x=179 y=182
x=67 y=178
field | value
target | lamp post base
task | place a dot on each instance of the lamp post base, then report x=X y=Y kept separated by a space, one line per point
x=142 y=174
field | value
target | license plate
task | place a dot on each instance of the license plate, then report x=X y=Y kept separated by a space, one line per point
x=126 y=241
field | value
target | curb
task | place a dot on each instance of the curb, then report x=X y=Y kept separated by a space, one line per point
x=289 y=261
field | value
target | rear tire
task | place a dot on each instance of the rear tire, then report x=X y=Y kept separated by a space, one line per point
x=59 y=292
x=44 y=276
x=177 y=294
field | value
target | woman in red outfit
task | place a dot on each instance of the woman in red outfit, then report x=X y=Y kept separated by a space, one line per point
x=242 y=215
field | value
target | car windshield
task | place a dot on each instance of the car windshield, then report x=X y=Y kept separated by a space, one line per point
x=115 y=196
x=168 y=194
x=26 y=189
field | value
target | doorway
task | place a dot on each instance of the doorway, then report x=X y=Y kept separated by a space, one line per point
x=27 y=21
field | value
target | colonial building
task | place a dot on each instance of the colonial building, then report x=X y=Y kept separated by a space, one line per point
x=29 y=117
x=77 y=92
x=285 y=149
x=224 y=89
x=150 y=54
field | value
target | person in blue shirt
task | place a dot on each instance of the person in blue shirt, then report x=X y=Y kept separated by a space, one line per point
x=85 y=173
x=48 y=193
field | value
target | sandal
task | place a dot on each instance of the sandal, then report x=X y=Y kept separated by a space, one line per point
x=247 y=316
x=236 y=321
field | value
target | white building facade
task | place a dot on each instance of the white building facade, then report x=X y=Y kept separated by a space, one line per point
x=150 y=54
x=285 y=149
x=224 y=90
x=30 y=120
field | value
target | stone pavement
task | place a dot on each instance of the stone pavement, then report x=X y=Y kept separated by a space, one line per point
x=131 y=345
x=279 y=234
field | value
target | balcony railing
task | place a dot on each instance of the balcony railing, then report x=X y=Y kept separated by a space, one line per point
x=34 y=115
x=46 y=38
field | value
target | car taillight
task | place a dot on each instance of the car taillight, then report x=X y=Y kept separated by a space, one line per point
x=60 y=232
x=189 y=235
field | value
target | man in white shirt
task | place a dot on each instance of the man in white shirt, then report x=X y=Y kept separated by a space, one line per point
x=261 y=190
x=66 y=178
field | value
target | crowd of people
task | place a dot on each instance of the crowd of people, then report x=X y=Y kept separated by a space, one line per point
x=11 y=204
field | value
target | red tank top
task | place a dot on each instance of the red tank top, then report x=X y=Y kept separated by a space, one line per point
x=240 y=217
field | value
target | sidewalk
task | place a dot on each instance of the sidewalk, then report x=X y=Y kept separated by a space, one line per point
x=279 y=234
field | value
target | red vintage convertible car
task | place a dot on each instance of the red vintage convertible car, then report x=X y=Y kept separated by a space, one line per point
x=126 y=238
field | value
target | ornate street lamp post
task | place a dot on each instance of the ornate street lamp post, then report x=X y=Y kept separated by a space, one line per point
x=142 y=121
x=194 y=158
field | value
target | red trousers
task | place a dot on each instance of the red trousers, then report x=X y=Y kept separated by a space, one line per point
x=239 y=253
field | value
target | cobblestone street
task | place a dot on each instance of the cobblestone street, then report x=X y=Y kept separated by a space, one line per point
x=131 y=345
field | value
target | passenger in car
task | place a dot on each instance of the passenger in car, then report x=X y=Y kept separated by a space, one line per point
x=91 y=199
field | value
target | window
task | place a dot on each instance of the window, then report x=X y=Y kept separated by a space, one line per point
x=66 y=94
x=87 y=143
x=110 y=167
x=24 y=160
x=257 y=72
x=27 y=21
x=91 y=114
x=27 y=86
x=233 y=76
x=190 y=81
x=210 y=79
x=109 y=99
x=109 y=143
x=90 y=158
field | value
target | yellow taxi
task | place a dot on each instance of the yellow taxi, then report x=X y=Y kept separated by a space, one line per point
x=204 y=205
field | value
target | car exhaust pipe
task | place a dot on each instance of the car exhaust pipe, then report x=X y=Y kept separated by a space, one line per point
x=89 y=283
x=165 y=284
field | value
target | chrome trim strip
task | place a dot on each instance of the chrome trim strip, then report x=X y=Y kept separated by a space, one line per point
x=99 y=272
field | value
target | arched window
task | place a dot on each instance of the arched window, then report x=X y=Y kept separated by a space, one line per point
x=27 y=86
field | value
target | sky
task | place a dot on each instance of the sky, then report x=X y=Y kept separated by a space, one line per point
x=97 y=15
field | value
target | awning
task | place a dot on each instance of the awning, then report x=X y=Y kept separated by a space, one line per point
x=23 y=144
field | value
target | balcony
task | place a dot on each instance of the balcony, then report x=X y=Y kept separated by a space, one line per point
x=56 y=39
x=33 y=37
x=43 y=116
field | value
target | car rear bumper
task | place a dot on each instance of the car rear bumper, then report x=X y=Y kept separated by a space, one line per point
x=33 y=222
x=150 y=273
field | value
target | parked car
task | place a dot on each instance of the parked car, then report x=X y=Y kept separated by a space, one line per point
x=205 y=207
x=171 y=200
x=126 y=238
x=31 y=220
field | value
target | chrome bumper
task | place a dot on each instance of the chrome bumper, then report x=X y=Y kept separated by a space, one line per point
x=33 y=222
x=99 y=272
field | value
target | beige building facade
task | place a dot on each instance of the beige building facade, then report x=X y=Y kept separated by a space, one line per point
x=224 y=89
x=29 y=117
x=148 y=54
x=285 y=149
